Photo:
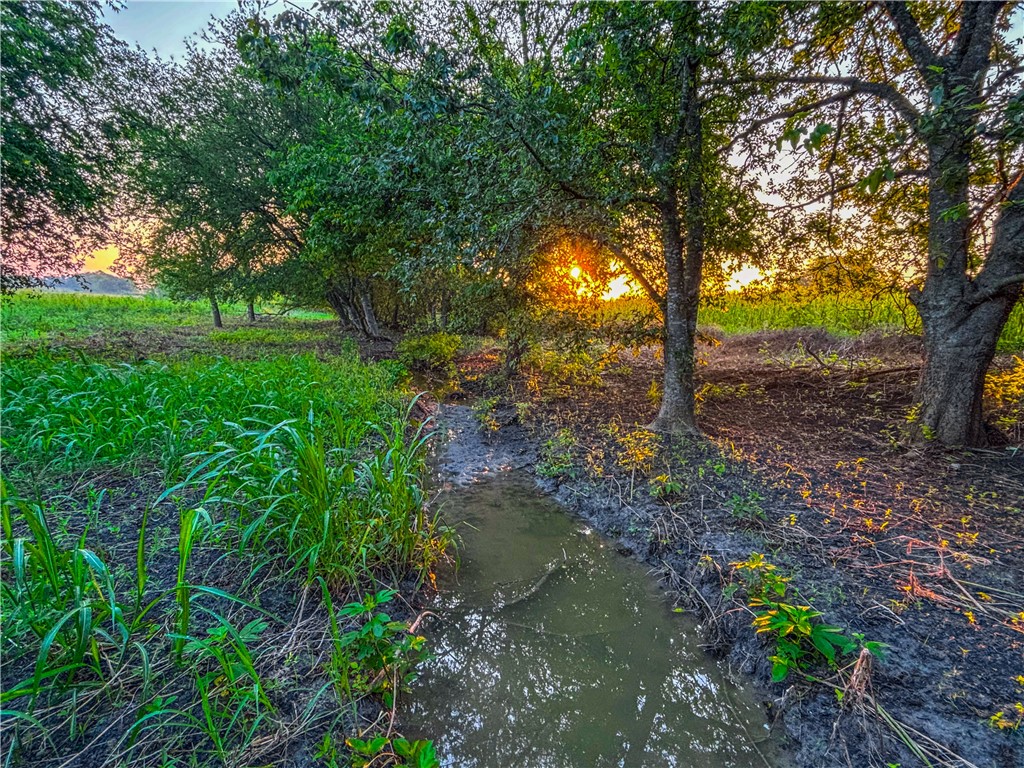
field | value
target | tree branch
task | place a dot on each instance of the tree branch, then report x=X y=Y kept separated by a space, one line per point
x=907 y=173
x=639 y=276
x=884 y=91
x=912 y=37
x=563 y=185
x=993 y=290
x=786 y=114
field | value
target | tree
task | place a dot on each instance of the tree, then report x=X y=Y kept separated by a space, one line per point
x=59 y=70
x=192 y=263
x=208 y=137
x=610 y=104
x=926 y=134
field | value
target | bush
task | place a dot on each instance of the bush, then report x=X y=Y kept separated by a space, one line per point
x=431 y=352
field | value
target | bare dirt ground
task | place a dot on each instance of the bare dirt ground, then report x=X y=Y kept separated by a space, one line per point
x=922 y=550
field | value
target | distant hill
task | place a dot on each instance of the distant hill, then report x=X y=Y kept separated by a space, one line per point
x=94 y=282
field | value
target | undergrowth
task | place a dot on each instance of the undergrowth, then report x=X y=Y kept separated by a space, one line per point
x=282 y=486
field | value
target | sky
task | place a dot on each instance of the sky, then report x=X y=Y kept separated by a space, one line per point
x=163 y=25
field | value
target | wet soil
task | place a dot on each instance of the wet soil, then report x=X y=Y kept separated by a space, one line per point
x=920 y=550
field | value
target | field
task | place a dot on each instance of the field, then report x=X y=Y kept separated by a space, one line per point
x=840 y=315
x=213 y=539
x=200 y=533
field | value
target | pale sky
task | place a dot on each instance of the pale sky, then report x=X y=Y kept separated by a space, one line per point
x=163 y=25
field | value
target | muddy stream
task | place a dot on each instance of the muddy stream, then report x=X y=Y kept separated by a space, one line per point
x=550 y=649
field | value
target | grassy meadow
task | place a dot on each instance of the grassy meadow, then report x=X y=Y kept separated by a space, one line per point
x=842 y=315
x=198 y=547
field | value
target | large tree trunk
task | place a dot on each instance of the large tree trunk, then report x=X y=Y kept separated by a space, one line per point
x=370 y=325
x=215 y=311
x=959 y=346
x=961 y=317
x=250 y=312
x=677 y=414
x=354 y=307
x=962 y=320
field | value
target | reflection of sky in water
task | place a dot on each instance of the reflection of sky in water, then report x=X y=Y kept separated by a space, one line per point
x=584 y=667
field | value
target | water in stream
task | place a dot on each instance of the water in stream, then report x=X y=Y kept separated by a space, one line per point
x=552 y=650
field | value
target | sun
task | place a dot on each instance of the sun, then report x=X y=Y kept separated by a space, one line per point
x=618 y=287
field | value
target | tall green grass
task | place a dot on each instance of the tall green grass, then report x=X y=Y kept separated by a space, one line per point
x=73 y=413
x=342 y=497
x=308 y=469
x=847 y=314
x=843 y=315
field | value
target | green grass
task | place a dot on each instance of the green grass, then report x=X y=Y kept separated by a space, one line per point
x=843 y=315
x=28 y=315
x=38 y=315
x=272 y=336
x=70 y=414
x=292 y=481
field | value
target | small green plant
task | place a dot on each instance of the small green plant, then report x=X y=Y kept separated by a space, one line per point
x=799 y=635
x=380 y=653
x=431 y=352
x=557 y=455
x=663 y=487
x=761 y=577
x=524 y=412
x=1012 y=722
x=747 y=507
x=232 y=698
x=483 y=411
x=380 y=750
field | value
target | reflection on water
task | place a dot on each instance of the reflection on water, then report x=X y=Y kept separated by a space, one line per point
x=550 y=649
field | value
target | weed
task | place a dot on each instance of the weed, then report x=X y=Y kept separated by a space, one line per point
x=663 y=487
x=747 y=507
x=557 y=455
x=483 y=411
x=397 y=751
x=380 y=653
x=800 y=636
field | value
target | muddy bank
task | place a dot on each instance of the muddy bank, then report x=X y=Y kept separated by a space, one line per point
x=693 y=537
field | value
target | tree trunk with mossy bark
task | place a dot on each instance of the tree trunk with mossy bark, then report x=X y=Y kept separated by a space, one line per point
x=961 y=316
x=962 y=320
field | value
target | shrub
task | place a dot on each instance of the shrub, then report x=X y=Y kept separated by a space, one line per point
x=432 y=352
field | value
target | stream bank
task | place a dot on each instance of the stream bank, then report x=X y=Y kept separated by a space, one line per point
x=691 y=542
x=549 y=648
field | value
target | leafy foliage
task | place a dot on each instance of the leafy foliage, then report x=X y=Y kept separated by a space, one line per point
x=58 y=86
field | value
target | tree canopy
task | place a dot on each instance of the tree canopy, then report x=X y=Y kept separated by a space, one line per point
x=415 y=166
